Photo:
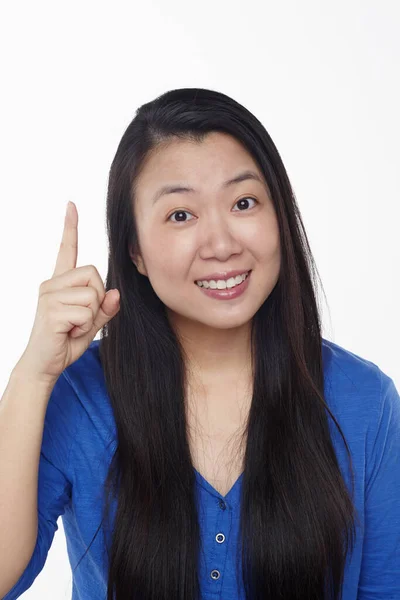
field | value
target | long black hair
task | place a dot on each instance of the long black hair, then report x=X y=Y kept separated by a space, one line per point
x=297 y=519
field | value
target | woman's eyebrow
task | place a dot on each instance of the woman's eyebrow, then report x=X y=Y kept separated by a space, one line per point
x=173 y=189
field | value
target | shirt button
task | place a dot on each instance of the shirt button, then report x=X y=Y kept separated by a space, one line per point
x=220 y=538
x=215 y=574
x=222 y=504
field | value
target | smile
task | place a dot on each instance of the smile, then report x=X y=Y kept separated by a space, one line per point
x=222 y=284
x=226 y=293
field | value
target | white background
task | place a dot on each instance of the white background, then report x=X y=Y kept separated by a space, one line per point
x=322 y=77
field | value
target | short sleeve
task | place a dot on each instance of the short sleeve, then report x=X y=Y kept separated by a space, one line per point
x=380 y=567
x=54 y=481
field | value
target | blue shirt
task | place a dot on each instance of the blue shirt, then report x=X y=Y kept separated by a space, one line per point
x=79 y=439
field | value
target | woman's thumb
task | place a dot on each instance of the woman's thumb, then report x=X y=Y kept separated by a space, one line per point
x=111 y=300
x=107 y=310
x=109 y=307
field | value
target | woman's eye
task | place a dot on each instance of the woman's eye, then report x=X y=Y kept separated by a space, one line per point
x=182 y=212
x=245 y=199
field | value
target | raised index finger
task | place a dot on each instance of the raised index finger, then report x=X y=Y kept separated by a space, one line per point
x=68 y=252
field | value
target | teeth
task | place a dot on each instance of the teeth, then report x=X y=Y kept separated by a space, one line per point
x=222 y=284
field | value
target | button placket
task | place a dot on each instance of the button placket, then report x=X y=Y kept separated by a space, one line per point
x=220 y=538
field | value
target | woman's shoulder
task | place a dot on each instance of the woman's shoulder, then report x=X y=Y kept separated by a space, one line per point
x=88 y=399
x=351 y=371
x=358 y=390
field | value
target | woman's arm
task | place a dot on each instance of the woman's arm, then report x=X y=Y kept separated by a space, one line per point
x=380 y=567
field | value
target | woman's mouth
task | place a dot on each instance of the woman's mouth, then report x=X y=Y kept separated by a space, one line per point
x=236 y=288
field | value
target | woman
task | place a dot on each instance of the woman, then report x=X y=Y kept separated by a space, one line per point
x=241 y=454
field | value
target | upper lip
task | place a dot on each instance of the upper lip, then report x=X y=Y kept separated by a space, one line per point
x=223 y=275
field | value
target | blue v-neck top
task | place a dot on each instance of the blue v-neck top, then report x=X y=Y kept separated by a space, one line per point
x=79 y=439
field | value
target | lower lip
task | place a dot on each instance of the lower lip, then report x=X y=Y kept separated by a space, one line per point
x=227 y=294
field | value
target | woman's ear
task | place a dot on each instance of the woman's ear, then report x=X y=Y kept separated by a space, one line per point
x=137 y=260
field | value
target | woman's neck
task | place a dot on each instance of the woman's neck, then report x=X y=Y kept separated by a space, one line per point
x=213 y=354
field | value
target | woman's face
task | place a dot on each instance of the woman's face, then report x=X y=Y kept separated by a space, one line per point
x=185 y=236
